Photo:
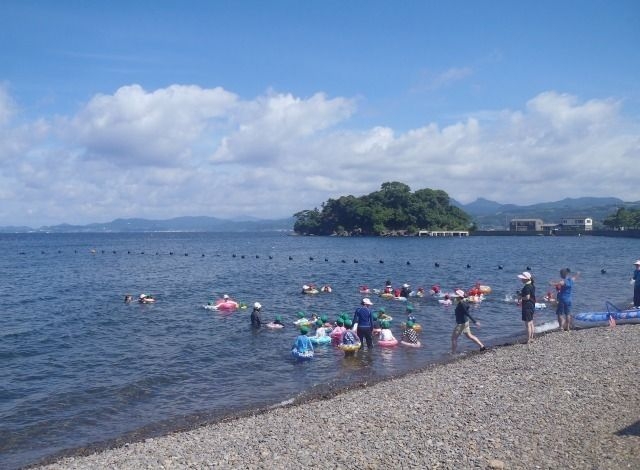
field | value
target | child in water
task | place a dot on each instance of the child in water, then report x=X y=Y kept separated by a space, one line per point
x=409 y=312
x=338 y=330
x=302 y=344
x=382 y=315
x=349 y=337
x=385 y=332
x=320 y=329
x=409 y=335
x=278 y=321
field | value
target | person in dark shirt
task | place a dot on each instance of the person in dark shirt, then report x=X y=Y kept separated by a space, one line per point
x=462 y=322
x=405 y=291
x=255 y=315
x=364 y=318
x=528 y=303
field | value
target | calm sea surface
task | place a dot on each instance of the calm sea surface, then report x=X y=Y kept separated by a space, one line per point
x=78 y=366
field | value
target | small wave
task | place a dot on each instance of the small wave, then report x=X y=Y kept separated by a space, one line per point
x=547 y=326
x=281 y=404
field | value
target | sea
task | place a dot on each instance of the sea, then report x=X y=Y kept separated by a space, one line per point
x=81 y=369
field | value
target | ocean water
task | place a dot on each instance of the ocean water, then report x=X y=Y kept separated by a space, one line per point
x=79 y=367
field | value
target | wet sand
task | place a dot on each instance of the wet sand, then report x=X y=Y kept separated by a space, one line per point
x=567 y=400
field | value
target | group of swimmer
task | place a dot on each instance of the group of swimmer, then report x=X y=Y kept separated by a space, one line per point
x=365 y=323
x=352 y=334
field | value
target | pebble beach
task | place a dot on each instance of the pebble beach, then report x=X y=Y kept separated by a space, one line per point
x=566 y=400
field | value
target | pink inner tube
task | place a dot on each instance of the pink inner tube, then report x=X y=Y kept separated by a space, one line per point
x=388 y=343
x=227 y=305
x=412 y=345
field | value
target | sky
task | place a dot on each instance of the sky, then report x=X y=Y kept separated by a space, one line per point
x=231 y=109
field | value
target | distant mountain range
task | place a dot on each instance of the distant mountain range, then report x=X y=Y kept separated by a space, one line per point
x=485 y=213
x=493 y=215
x=178 y=224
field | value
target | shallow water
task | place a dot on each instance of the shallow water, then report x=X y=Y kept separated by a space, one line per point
x=79 y=366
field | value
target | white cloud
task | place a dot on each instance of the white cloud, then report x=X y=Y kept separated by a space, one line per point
x=185 y=150
x=135 y=127
x=269 y=125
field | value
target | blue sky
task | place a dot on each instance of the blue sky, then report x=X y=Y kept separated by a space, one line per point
x=263 y=108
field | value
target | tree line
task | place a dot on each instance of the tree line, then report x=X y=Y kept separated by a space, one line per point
x=394 y=208
x=623 y=218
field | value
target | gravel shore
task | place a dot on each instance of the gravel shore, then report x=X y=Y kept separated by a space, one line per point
x=567 y=400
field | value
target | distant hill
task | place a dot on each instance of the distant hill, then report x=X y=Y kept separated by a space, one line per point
x=485 y=213
x=178 y=224
x=493 y=215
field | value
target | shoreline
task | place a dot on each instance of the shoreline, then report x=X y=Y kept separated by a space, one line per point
x=566 y=400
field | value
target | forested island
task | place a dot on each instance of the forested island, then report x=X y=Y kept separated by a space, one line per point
x=393 y=210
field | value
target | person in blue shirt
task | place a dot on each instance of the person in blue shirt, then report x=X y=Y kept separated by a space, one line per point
x=303 y=346
x=564 y=287
x=364 y=318
x=636 y=285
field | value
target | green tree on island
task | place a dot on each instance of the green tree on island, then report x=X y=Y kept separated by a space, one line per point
x=394 y=208
x=623 y=218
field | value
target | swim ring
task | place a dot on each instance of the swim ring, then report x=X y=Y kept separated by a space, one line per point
x=349 y=347
x=388 y=343
x=484 y=289
x=387 y=295
x=274 y=326
x=412 y=345
x=227 y=305
x=320 y=339
x=302 y=355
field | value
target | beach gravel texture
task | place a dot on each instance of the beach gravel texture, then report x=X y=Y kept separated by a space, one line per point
x=567 y=400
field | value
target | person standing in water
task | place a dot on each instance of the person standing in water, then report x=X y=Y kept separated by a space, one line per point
x=462 y=322
x=256 y=322
x=528 y=302
x=564 y=287
x=636 y=285
x=364 y=318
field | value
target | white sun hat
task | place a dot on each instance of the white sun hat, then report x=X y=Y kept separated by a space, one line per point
x=257 y=305
x=525 y=276
x=366 y=301
x=460 y=293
